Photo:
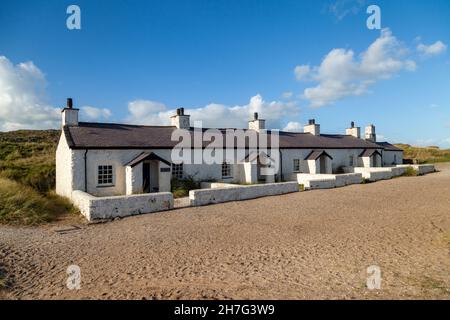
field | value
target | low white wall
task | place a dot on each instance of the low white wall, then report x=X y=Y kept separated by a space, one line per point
x=215 y=185
x=315 y=181
x=347 y=179
x=375 y=174
x=207 y=196
x=326 y=181
x=121 y=206
x=420 y=168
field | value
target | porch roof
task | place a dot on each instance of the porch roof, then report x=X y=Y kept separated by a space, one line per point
x=369 y=153
x=146 y=156
x=316 y=154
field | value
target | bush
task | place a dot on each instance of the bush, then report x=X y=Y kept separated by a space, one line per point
x=410 y=172
x=21 y=204
x=181 y=187
x=301 y=187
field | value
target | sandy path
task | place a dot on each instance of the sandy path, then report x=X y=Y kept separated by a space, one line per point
x=314 y=244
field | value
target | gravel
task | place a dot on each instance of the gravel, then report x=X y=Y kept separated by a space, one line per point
x=308 y=245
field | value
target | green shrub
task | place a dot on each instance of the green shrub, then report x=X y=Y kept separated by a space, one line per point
x=301 y=187
x=181 y=187
x=410 y=172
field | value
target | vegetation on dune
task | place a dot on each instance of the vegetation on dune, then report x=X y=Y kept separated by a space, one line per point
x=421 y=155
x=20 y=204
x=28 y=156
x=27 y=178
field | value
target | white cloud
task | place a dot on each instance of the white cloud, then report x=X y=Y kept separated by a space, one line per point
x=433 y=49
x=293 y=127
x=22 y=98
x=301 y=72
x=341 y=74
x=214 y=114
x=342 y=8
x=94 y=114
x=287 y=95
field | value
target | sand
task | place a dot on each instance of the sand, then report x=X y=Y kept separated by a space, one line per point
x=309 y=245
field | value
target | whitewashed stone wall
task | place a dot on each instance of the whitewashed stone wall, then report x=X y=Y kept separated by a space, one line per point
x=375 y=174
x=94 y=208
x=207 y=196
x=64 y=168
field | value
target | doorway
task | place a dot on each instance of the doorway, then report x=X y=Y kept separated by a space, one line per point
x=150 y=176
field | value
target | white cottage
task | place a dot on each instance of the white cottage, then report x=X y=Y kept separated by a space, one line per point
x=106 y=159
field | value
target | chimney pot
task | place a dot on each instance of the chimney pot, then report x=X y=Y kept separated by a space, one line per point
x=311 y=121
x=178 y=111
x=255 y=116
x=182 y=111
x=352 y=124
x=69 y=103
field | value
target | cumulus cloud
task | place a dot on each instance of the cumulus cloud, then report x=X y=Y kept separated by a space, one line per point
x=433 y=49
x=342 y=8
x=342 y=74
x=22 y=98
x=293 y=126
x=301 y=72
x=94 y=114
x=214 y=115
x=287 y=95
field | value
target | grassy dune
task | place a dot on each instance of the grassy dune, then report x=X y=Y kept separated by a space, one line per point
x=27 y=178
x=425 y=154
x=23 y=205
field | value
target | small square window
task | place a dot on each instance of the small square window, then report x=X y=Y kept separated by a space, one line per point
x=226 y=170
x=177 y=170
x=351 y=161
x=296 y=165
x=105 y=175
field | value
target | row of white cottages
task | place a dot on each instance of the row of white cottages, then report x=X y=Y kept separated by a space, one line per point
x=105 y=159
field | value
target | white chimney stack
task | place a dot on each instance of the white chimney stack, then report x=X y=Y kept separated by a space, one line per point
x=312 y=127
x=257 y=124
x=69 y=114
x=180 y=120
x=353 y=131
x=370 y=134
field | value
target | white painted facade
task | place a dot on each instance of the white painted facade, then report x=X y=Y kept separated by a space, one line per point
x=78 y=169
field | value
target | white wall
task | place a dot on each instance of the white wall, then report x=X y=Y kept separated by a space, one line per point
x=63 y=168
x=389 y=158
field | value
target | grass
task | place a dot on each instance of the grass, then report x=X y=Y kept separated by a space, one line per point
x=421 y=155
x=23 y=205
x=28 y=156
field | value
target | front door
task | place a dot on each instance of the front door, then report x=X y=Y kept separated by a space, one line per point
x=146 y=177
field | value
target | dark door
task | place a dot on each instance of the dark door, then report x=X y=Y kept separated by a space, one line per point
x=146 y=177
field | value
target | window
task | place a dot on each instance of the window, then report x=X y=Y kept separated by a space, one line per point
x=395 y=158
x=296 y=165
x=105 y=175
x=351 y=161
x=177 y=170
x=226 y=170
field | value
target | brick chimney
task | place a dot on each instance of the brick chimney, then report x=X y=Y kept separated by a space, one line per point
x=180 y=120
x=69 y=114
x=312 y=127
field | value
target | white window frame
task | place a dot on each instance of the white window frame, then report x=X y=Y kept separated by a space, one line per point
x=226 y=170
x=105 y=175
x=178 y=170
x=296 y=165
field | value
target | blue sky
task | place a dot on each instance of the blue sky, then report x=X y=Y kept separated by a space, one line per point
x=136 y=61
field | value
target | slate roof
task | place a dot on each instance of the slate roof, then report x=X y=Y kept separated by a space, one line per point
x=388 y=147
x=123 y=136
